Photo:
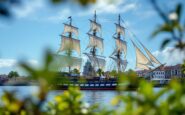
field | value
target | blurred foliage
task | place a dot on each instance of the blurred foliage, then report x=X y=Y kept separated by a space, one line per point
x=173 y=24
x=12 y=74
x=6 y=5
x=100 y=72
x=183 y=67
x=75 y=71
x=81 y=2
x=140 y=100
x=69 y=103
x=113 y=73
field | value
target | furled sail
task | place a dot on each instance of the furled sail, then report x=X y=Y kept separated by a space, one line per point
x=94 y=26
x=95 y=41
x=141 y=59
x=62 y=61
x=70 y=28
x=70 y=44
x=123 y=63
x=120 y=29
x=152 y=58
x=96 y=61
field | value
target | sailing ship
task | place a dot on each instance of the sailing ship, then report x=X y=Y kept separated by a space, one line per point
x=70 y=44
x=95 y=45
x=121 y=47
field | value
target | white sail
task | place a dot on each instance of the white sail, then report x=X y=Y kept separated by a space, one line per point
x=94 y=26
x=121 y=46
x=96 y=61
x=62 y=61
x=123 y=63
x=141 y=66
x=70 y=43
x=95 y=41
x=120 y=29
x=152 y=58
x=141 y=59
x=70 y=28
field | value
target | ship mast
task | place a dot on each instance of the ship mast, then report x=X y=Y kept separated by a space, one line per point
x=70 y=43
x=93 y=49
x=121 y=47
x=70 y=37
x=118 y=55
x=95 y=44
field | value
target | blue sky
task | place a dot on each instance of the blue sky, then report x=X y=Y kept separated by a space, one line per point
x=36 y=25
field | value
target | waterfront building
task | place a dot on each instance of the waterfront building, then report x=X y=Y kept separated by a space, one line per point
x=162 y=74
x=173 y=71
x=157 y=75
x=142 y=73
x=3 y=78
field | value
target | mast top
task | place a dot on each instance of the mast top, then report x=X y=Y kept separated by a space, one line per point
x=119 y=18
x=70 y=20
x=95 y=16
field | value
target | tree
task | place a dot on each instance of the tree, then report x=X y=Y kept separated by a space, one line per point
x=114 y=73
x=183 y=67
x=99 y=72
x=75 y=71
x=12 y=74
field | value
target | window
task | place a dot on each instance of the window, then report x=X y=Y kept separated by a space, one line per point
x=175 y=72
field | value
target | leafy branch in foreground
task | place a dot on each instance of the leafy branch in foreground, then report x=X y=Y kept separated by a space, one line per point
x=173 y=25
x=7 y=5
x=142 y=101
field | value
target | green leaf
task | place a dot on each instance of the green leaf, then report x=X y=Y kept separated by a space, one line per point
x=85 y=2
x=48 y=59
x=162 y=28
x=165 y=42
x=28 y=69
x=56 y=1
x=178 y=11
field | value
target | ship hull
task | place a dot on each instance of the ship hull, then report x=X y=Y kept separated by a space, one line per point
x=109 y=86
x=88 y=88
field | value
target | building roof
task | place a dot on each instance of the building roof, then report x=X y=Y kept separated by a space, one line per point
x=178 y=66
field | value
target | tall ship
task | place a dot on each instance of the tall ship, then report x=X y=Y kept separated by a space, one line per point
x=95 y=46
x=70 y=44
x=120 y=52
x=69 y=54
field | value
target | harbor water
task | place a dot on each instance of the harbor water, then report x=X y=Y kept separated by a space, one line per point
x=102 y=97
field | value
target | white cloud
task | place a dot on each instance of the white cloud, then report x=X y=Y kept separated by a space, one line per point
x=27 y=8
x=61 y=15
x=36 y=9
x=101 y=6
x=12 y=63
x=33 y=62
x=111 y=7
x=170 y=56
x=5 y=63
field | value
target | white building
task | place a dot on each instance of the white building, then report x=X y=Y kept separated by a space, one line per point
x=158 y=75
